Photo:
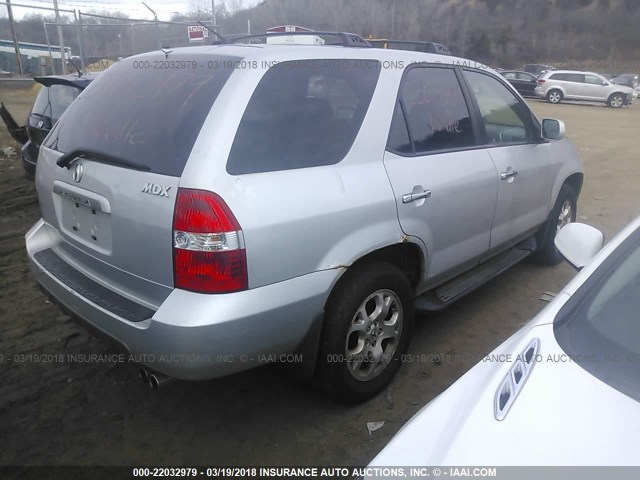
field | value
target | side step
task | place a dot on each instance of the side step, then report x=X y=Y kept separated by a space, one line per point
x=466 y=283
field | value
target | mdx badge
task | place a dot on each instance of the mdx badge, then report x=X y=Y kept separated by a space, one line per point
x=153 y=189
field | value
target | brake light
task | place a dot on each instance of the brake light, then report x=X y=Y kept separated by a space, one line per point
x=208 y=245
x=541 y=81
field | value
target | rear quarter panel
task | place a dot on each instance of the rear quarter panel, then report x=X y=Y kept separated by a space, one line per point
x=300 y=221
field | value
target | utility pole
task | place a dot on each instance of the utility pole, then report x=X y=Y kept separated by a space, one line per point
x=62 y=52
x=213 y=13
x=15 y=37
x=155 y=16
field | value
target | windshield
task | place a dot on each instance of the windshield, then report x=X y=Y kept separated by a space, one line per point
x=603 y=323
x=147 y=110
x=52 y=101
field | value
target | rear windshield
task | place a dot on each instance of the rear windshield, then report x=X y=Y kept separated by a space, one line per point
x=52 y=101
x=145 y=110
x=303 y=113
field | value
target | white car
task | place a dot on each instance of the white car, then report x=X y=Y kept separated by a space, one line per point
x=559 y=85
x=564 y=390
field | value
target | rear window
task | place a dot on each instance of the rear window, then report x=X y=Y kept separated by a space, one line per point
x=145 y=110
x=303 y=113
x=52 y=101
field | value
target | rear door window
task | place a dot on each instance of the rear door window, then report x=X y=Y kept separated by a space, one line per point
x=303 y=113
x=435 y=111
x=145 y=110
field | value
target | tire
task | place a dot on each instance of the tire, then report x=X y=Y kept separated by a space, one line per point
x=347 y=364
x=616 y=100
x=547 y=253
x=554 y=96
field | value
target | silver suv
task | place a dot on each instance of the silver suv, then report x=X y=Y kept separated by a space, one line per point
x=572 y=85
x=215 y=208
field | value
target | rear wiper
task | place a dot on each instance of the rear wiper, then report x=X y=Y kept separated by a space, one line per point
x=68 y=158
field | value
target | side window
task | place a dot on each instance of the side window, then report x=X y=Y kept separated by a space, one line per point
x=575 y=77
x=524 y=76
x=592 y=80
x=303 y=113
x=435 y=110
x=399 y=141
x=510 y=75
x=506 y=119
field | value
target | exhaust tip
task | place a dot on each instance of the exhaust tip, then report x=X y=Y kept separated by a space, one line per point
x=154 y=382
x=144 y=375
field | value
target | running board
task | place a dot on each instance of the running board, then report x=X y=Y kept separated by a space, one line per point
x=466 y=283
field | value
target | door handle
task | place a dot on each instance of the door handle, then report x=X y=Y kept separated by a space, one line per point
x=508 y=174
x=412 y=197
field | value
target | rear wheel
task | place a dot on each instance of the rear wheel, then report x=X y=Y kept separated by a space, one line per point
x=554 y=96
x=564 y=212
x=616 y=100
x=369 y=319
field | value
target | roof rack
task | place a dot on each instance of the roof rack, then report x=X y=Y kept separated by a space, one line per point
x=344 y=38
x=428 y=47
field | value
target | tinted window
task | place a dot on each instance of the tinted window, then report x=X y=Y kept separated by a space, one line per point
x=506 y=118
x=142 y=113
x=52 y=101
x=509 y=75
x=593 y=80
x=435 y=110
x=525 y=76
x=399 y=140
x=600 y=326
x=568 y=77
x=304 y=113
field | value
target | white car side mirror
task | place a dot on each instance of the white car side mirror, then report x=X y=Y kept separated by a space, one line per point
x=579 y=243
x=553 y=129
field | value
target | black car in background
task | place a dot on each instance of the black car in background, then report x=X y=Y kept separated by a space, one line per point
x=537 y=68
x=523 y=82
x=55 y=96
x=628 y=79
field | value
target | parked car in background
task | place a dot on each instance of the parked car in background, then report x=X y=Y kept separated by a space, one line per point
x=564 y=390
x=562 y=85
x=523 y=82
x=55 y=96
x=628 y=79
x=223 y=213
x=537 y=69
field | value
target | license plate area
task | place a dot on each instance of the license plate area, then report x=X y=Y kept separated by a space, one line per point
x=81 y=217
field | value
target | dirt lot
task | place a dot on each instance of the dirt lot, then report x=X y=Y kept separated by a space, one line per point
x=82 y=413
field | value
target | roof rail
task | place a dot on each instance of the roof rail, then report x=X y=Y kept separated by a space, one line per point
x=345 y=39
x=428 y=47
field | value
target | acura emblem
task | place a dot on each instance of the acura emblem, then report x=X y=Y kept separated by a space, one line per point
x=77 y=172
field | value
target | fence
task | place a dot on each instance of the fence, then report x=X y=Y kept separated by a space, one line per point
x=64 y=39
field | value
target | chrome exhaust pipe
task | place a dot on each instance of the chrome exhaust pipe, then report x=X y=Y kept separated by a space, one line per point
x=157 y=380
x=144 y=376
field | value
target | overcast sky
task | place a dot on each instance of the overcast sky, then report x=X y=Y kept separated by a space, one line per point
x=134 y=9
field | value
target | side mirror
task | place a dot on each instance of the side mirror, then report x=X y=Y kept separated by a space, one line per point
x=579 y=243
x=552 y=129
x=605 y=84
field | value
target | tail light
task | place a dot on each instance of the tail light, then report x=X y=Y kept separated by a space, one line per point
x=208 y=245
x=541 y=81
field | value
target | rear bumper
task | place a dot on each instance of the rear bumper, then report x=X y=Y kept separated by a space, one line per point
x=194 y=336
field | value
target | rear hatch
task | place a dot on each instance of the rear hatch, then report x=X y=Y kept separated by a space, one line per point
x=109 y=171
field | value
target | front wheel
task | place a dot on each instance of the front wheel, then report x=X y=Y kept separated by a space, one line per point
x=564 y=212
x=368 y=323
x=616 y=100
